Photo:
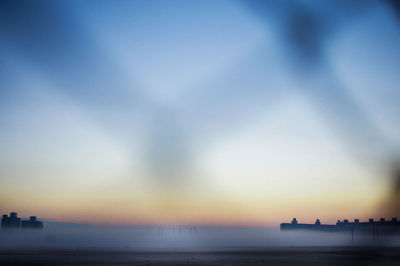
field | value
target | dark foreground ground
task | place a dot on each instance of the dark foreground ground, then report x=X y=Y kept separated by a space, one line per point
x=258 y=256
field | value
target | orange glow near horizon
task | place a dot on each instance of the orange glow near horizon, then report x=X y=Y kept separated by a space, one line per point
x=205 y=113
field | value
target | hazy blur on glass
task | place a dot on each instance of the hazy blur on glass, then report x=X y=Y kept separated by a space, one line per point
x=199 y=112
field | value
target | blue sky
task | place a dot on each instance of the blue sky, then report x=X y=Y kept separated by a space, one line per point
x=155 y=109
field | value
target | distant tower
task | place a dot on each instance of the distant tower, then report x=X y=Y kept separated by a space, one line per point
x=32 y=223
x=11 y=221
x=4 y=221
x=317 y=222
x=294 y=221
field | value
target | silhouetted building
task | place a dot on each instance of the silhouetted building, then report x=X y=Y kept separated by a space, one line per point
x=13 y=222
x=382 y=226
x=32 y=223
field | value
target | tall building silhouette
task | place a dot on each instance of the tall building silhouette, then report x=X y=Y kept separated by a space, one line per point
x=11 y=222
x=14 y=222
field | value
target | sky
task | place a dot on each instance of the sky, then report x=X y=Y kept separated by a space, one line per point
x=198 y=112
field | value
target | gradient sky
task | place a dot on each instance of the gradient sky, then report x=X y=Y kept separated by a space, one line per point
x=197 y=112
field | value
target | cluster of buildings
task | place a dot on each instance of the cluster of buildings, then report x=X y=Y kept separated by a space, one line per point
x=12 y=221
x=382 y=225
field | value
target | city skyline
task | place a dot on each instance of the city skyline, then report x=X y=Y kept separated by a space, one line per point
x=203 y=113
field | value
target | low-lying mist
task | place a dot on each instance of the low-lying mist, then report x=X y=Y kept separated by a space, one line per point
x=169 y=237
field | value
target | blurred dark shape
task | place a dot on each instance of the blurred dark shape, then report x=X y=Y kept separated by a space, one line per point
x=381 y=227
x=41 y=32
x=395 y=5
x=304 y=36
x=10 y=222
x=305 y=28
x=48 y=36
x=395 y=197
x=32 y=223
x=168 y=154
x=13 y=222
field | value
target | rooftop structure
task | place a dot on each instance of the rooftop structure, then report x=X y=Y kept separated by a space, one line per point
x=14 y=222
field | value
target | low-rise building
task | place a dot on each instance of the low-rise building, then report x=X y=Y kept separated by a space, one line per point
x=382 y=225
x=14 y=222
x=11 y=222
x=32 y=223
